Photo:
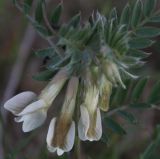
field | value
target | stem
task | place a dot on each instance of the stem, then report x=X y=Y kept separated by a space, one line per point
x=77 y=153
x=112 y=112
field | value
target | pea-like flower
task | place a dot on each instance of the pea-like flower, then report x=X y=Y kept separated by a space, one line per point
x=89 y=126
x=61 y=131
x=32 y=109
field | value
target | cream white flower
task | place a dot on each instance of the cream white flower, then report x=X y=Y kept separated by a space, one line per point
x=32 y=109
x=105 y=88
x=61 y=131
x=89 y=126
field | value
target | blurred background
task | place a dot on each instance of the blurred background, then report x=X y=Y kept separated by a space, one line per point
x=18 y=63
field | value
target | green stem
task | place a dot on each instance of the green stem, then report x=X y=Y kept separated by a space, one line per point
x=77 y=151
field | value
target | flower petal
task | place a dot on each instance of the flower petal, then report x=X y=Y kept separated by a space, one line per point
x=50 y=135
x=33 y=107
x=98 y=128
x=50 y=92
x=51 y=148
x=17 y=103
x=91 y=99
x=18 y=119
x=59 y=151
x=33 y=120
x=70 y=138
x=105 y=93
x=83 y=124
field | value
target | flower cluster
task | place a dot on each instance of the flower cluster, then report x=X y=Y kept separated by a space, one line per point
x=93 y=91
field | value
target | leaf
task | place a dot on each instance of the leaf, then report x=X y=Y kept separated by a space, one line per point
x=148 y=32
x=151 y=148
x=39 y=12
x=155 y=93
x=41 y=29
x=120 y=95
x=91 y=38
x=127 y=74
x=56 y=14
x=138 y=89
x=140 y=105
x=136 y=14
x=27 y=6
x=128 y=116
x=114 y=126
x=125 y=18
x=118 y=36
x=139 y=53
x=155 y=19
x=75 y=20
x=113 y=14
x=44 y=75
x=109 y=31
x=140 y=43
x=56 y=62
x=63 y=30
x=130 y=60
x=45 y=52
x=149 y=6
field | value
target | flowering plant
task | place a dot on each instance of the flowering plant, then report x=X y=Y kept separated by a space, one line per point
x=98 y=60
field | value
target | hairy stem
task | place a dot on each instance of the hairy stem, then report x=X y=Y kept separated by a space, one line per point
x=77 y=153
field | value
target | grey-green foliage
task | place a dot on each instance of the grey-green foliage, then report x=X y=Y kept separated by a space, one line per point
x=122 y=36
